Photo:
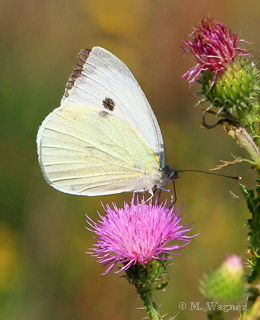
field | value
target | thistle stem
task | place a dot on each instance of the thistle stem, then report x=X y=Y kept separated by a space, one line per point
x=253 y=203
x=150 y=306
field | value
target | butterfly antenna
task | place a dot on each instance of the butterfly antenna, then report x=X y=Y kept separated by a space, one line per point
x=212 y=173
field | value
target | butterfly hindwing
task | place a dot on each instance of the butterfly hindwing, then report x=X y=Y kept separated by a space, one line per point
x=84 y=151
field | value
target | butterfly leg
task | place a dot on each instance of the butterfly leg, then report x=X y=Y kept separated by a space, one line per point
x=173 y=194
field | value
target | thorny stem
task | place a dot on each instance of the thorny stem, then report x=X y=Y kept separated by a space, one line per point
x=150 y=306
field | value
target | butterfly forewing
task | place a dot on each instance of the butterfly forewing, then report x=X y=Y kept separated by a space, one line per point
x=106 y=83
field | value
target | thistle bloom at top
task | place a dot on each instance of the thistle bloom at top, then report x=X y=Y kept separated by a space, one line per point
x=136 y=234
x=213 y=48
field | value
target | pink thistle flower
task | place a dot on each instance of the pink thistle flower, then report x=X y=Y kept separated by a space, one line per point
x=233 y=265
x=213 y=48
x=137 y=233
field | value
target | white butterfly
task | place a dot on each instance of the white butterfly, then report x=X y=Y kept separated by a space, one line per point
x=104 y=138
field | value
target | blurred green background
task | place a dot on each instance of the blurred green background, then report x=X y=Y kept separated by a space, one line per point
x=44 y=271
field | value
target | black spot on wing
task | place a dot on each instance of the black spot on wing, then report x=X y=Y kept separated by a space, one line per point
x=109 y=104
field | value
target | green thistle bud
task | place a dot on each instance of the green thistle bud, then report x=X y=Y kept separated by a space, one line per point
x=235 y=90
x=227 y=282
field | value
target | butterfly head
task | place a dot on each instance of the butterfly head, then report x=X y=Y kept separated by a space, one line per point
x=169 y=174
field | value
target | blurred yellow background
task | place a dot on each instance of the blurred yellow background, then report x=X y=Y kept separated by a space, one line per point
x=44 y=271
